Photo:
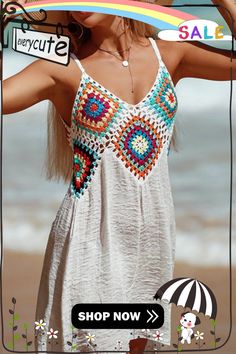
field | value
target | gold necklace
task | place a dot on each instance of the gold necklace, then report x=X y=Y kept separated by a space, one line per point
x=125 y=63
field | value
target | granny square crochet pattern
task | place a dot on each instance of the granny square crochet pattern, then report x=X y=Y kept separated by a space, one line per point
x=95 y=109
x=138 y=144
x=164 y=100
x=136 y=134
x=84 y=164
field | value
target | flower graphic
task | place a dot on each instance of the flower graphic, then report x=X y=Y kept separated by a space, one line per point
x=119 y=344
x=52 y=333
x=90 y=337
x=158 y=336
x=199 y=335
x=146 y=332
x=40 y=325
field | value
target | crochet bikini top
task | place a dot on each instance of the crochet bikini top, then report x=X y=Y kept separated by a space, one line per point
x=101 y=120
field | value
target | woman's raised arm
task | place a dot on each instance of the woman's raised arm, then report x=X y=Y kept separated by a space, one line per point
x=205 y=62
x=201 y=61
x=30 y=86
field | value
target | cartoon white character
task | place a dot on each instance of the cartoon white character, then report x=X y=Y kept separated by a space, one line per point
x=188 y=321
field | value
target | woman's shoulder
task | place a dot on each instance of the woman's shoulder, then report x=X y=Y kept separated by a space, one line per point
x=171 y=54
x=64 y=76
x=169 y=48
x=178 y=48
x=64 y=72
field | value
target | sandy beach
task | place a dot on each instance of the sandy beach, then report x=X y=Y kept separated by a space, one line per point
x=21 y=275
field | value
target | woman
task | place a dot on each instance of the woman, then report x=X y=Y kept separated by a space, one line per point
x=113 y=237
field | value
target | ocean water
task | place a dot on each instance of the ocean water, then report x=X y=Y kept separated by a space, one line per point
x=199 y=173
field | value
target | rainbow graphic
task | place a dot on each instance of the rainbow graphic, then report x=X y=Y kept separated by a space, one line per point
x=158 y=16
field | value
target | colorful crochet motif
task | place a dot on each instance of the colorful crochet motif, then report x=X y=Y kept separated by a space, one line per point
x=164 y=100
x=138 y=144
x=137 y=134
x=96 y=109
x=85 y=161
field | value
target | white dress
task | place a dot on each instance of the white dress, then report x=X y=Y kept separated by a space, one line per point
x=113 y=237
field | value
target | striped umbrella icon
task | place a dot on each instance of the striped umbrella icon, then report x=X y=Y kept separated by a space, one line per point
x=189 y=293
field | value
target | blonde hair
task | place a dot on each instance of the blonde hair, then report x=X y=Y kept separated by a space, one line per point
x=59 y=155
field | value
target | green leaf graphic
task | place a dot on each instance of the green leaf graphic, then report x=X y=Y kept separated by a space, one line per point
x=10 y=323
x=16 y=336
x=10 y=345
x=16 y=316
x=74 y=347
x=213 y=322
x=25 y=326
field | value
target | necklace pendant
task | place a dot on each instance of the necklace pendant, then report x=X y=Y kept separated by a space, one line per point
x=125 y=63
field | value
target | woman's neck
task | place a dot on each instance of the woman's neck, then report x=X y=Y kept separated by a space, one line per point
x=116 y=37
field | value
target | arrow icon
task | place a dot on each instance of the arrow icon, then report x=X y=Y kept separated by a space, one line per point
x=151 y=316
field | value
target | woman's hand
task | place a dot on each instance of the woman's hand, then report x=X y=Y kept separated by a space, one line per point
x=227 y=8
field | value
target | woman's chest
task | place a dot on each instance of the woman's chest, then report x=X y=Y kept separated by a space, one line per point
x=97 y=110
x=126 y=87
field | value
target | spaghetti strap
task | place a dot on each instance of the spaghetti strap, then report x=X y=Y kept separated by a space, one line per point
x=67 y=131
x=156 y=49
x=77 y=62
x=65 y=124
